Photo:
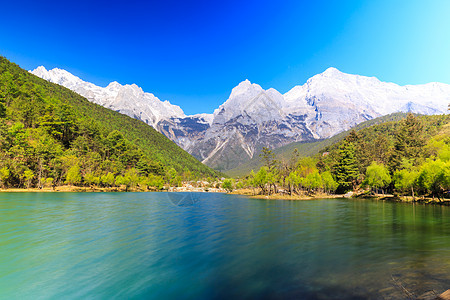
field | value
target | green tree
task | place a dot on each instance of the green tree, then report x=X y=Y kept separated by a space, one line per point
x=444 y=178
x=444 y=152
x=431 y=179
x=28 y=176
x=240 y=185
x=4 y=176
x=2 y=110
x=48 y=182
x=107 y=179
x=260 y=179
x=131 y=177
x=291 y=181
x=409 y=142
x=406 y=180
x=123 y=180
x=251 y=181
x=89 y=178
x=227 y=184
x=329 y=184
x=347 y=169
x=172 y=177
x=377 y=176
x=156 y=181
x=268 y=158
x=73 y=176
x=313 y=180
x=272 y=179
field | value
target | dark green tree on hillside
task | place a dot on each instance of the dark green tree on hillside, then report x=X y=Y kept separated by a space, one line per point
x=347 y=168
x=268 y=158
x=409 y=142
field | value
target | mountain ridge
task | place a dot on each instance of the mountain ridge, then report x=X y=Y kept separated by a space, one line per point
x=252 y=117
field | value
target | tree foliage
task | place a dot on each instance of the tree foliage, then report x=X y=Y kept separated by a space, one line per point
x=409 y=157
x=377 y=176
x=347 y=169
x=48 y=131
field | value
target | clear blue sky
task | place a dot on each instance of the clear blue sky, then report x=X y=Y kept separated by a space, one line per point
x=194 y=52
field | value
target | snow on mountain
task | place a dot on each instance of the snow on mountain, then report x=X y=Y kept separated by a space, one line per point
x=336 y=101
x=128 y=99
x=252 y=101
x=252 y=117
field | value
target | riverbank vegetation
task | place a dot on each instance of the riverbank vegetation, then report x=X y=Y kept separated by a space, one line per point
x=51 y=136
x=410 y=157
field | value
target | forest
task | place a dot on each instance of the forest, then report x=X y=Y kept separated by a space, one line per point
x=407 y=157
x=51 y=136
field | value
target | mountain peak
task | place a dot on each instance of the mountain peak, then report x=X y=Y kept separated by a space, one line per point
x=56 y=75
x=331 y=71
x=40 y=69
x=244 y=87
x=244 y=84
x=114 y=84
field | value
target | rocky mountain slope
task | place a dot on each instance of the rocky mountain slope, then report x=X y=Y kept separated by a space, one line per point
x=328 y=103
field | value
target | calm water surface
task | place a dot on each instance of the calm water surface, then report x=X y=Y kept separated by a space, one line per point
x=142 y=246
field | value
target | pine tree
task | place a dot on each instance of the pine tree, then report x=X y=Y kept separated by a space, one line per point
x=347 y=169
x=409 y=142
x=268 y=158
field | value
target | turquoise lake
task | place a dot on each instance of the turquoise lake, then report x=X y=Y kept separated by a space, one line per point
x=214 y=246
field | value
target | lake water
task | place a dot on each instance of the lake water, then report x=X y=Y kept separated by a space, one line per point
x=214 y=246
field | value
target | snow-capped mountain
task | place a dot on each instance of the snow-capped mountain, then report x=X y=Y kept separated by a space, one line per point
x=252 y=117
x=335 y=98
x=127 y=99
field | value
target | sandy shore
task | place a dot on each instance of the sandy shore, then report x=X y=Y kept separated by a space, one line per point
x=251 y=194
x=407 y=199
x=78 y=189
x=67 y=188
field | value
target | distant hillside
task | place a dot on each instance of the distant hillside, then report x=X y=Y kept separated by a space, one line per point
x=309 y=148
x=44 y=125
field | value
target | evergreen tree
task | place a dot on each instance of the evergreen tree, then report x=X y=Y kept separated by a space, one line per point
x=347 y=169
x=409 y=142
x=268 y=158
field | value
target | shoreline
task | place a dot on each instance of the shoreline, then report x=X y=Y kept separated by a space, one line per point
x=243 y=192
x=390 y=198
x=74 y=189
x=77 y=189
x=249 y=193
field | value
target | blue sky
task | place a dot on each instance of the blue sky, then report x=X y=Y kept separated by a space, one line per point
x=193 y=53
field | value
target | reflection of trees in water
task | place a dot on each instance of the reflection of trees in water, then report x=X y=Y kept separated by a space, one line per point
x=425 y=268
